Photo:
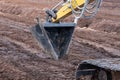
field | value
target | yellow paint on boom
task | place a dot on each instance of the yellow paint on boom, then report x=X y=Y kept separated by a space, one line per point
x=66 y=10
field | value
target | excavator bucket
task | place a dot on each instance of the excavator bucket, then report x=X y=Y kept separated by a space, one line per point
x=54 y=38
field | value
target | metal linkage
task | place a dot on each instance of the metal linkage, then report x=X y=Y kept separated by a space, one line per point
x=88 y=10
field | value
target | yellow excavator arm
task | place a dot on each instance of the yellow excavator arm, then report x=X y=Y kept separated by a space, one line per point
x=66 y=9
x=79 y=8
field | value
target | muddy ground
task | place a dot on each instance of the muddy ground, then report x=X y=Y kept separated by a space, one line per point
x=22 y=59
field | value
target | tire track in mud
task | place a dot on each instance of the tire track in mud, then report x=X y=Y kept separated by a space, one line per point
x=87 y=44
x=24 y=30
x=104 y=38
x=111 y=51
x=10 y=23
x=88 y=51
x=24 y=46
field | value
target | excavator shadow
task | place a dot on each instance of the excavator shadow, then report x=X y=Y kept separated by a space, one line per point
x=54 y=38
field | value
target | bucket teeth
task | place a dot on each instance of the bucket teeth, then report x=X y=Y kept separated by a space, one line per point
x=54 y=38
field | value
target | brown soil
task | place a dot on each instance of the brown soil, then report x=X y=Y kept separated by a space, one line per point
x=22 y=59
